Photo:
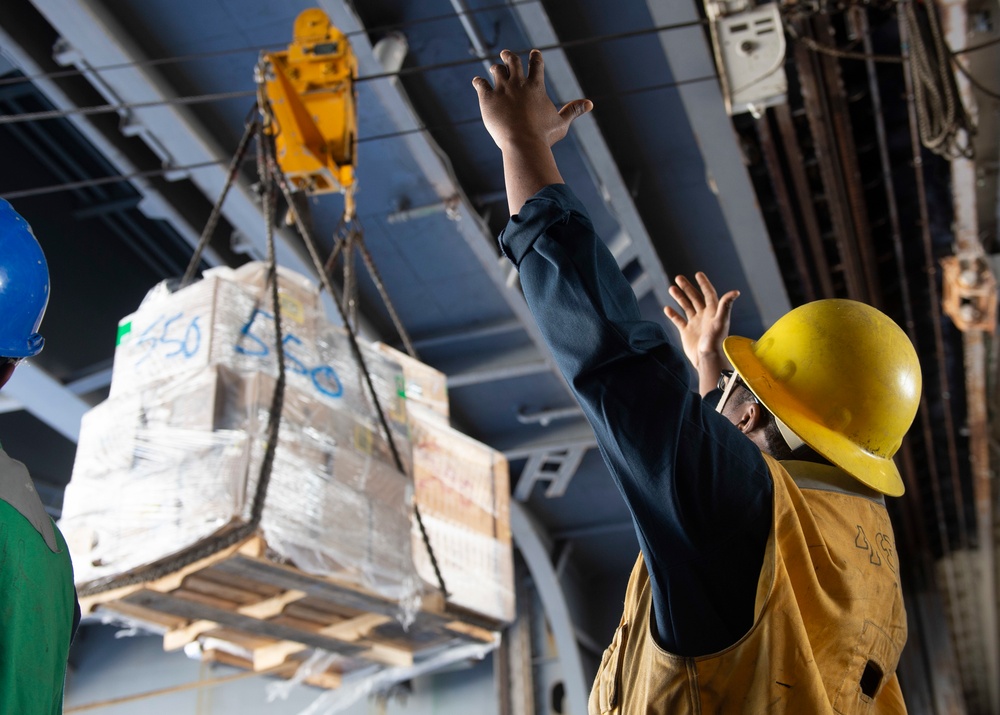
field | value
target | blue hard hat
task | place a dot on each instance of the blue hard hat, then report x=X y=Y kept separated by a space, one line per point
x=24 y=286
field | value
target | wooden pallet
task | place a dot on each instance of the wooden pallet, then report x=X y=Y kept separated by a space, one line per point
x=266 y=614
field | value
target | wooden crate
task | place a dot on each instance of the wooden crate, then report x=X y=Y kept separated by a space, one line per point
x=268 y=614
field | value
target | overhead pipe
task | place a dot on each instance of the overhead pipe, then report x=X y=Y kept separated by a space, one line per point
x=859 y=19
x=545 y=417
x=929 y=263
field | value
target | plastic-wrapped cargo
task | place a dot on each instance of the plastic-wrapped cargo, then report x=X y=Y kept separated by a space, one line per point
x=180 y=440
x=163 y=469
x=226 y=319
x=173 y=458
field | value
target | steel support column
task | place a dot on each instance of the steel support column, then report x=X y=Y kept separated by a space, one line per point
x=528 y=539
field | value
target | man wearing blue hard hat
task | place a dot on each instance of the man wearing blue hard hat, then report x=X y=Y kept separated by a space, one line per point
x=39 y=612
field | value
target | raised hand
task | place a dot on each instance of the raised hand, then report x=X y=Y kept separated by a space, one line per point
x=517 y=109
x=703 y=326
x=524 y=123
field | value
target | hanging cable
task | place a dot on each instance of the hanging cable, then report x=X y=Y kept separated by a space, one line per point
x=350 y=234
x=266 y=184
x=376 y=277
x=109 y=108
x=348 y=237
x=946 y=127
x=895 y=59
x=101 y=181
x=310 y=243
x=252 y=128
x=836 y=51
x=944 y=123
x=972 y=80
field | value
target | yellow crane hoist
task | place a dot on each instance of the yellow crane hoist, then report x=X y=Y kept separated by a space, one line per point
x=313 y=116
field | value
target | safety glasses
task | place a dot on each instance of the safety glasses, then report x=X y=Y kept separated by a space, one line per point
x=728 y=380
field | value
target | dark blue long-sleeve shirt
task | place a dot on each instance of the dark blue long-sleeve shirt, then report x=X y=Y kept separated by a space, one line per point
x=698 y=489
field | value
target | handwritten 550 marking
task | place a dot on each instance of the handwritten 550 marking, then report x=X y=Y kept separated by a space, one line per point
x=178 y=336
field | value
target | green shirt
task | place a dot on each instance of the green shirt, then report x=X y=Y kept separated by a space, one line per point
x=38 y=605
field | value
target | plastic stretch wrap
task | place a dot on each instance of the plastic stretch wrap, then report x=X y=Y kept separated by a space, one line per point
x=423 y=385
x=173 y=457
x=335 y=504
x=161 y=470
x=151 y=477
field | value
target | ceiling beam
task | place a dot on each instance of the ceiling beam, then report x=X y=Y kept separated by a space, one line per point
x=486 y=330
x=689 y=55
x=47 y=399
x=563 y=436
x=92 y=38
x=152 y=203
x=493 y=365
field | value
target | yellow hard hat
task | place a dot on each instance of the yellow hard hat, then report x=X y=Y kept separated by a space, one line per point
x=843 y=377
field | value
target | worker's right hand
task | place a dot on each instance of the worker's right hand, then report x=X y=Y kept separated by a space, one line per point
x=517 y=110
x=705 y=323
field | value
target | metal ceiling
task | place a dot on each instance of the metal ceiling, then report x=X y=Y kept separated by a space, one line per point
x=672 y=187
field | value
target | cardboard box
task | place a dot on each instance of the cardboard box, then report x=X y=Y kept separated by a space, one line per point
x=423 y=384
x=462 y=489
x=298 y=294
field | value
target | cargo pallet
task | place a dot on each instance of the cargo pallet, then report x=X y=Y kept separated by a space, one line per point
x=257 y=614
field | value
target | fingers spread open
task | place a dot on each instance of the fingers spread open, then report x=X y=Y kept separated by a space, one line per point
x=500 y=73
x=727 y=300
x=574 y=109
x=674 y=317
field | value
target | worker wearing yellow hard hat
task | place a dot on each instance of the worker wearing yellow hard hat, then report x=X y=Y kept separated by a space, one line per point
x=767 y=578
x=843 y=378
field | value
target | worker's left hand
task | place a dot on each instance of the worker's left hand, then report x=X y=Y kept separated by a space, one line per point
x=517 y=110
x=705 y=323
